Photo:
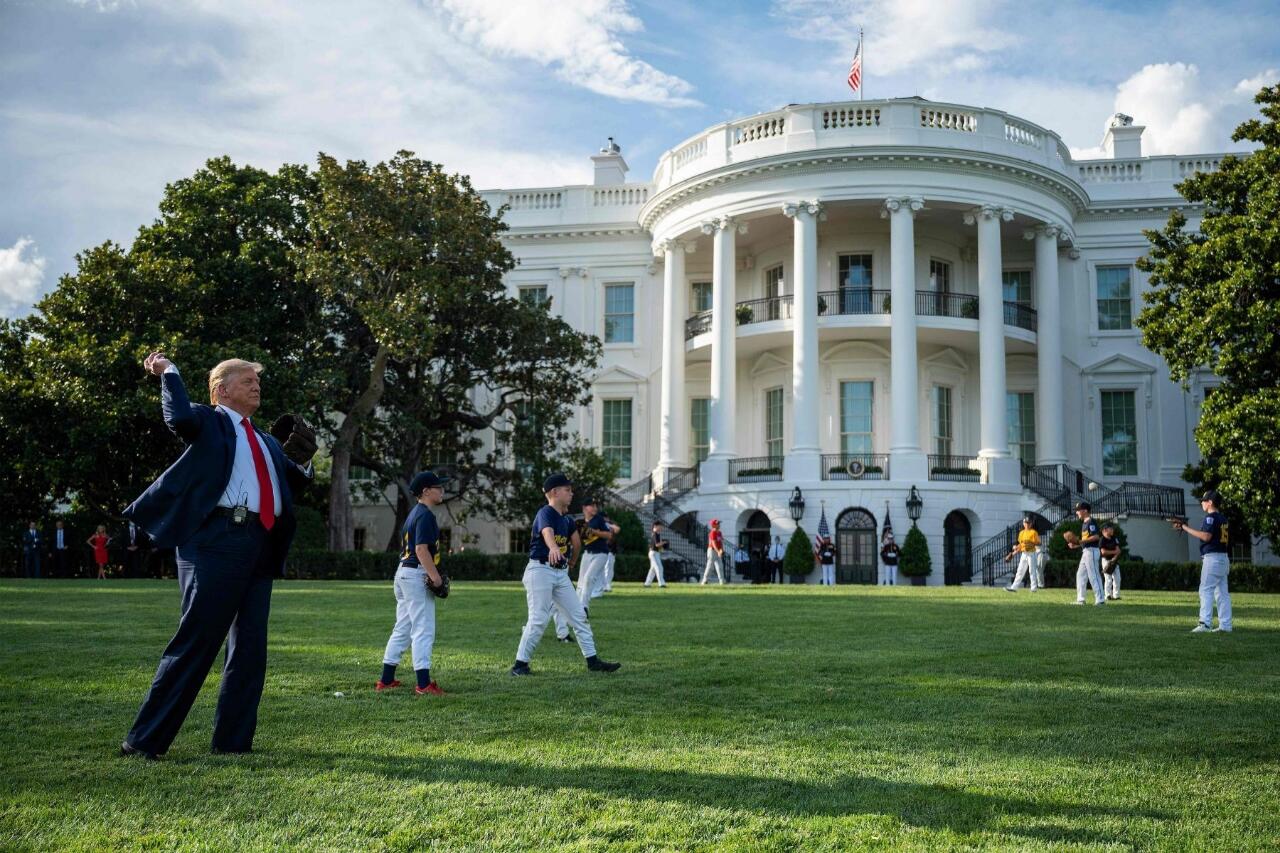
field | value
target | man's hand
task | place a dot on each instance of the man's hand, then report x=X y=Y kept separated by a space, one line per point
x=156 y=363
x=554 y=556
x=297 y=440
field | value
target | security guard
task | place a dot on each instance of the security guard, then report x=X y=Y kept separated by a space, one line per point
x=415 y=606
x=546 y=578
x=1028 y=543
x=1214 y=564
x=1090 y=538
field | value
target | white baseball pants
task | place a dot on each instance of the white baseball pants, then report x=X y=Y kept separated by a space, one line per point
x=1026 y=566
x=415 y=619
x=1213 y=590
x=829 y=574
x=1111 y=582
x=545 y=587
x=715 y=560
x=1038 y=560
x=1088 y=572
x=590 y=576
x=655 y=569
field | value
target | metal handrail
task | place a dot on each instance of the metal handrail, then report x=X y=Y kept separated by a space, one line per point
x=763 y=310
x=836 y=466
x=930 y=303
x=953 y=469
x=755 y=469
x=853 y=300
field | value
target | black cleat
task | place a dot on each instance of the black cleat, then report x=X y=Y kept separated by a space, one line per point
x=564 y=639
x=127 y=750
x=596 y=665
x=521 y=668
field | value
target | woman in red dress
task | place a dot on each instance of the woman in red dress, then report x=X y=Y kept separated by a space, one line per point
x=98 y=542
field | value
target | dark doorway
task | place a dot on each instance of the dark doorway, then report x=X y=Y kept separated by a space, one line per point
x=957 y=548
x=755 y=537
x=856 y=547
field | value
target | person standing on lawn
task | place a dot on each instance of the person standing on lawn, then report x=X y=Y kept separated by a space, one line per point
x=597 y=534
x=1109 y=548
x=775 y=556
x=1214 y=564
x=611 y=560
x=715 y=553
x=1087 y=571
x=99 y=542
x=415 y=603
x=656 y=546
x=546 y=579
x=1025 y=550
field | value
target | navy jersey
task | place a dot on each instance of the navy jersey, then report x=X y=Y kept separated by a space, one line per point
x=592 y=541
x=1089 y=528
x=1110 y=543
x=561 y=532
x=657 y=543
x=420 y=528
x=1215 y=524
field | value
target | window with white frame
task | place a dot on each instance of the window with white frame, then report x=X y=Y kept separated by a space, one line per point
x=700 y=297
x=534 y=295
x=854 y=284
x=939 y=276
x=619 y=313
x=1017 y=286
x=943 y=434
x=856 y=417
x=616 y=444
x=700 y=427
x=1115 y=298
x=1119 y=434
x=773 y=423
x=772 y=290
x=1020 y=408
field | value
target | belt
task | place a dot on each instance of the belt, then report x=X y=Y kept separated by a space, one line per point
x=545 y=564
x=234 y=513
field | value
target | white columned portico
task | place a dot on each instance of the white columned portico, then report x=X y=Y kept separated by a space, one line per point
x=994 y=430
x=674 y=425
x=907 y=460
x=803 y=462
x=724 y=357
x=1050 y=446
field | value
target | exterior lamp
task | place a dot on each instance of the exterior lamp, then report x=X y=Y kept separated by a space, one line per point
x=913 y=505
x=796 y=505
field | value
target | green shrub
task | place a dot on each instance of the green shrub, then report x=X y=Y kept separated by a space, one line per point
x=634 y=538
x=1177 y=577
x=318 y=564
x=797 y=560
x=914 y=561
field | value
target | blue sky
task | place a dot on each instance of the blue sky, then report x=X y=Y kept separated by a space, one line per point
x=104 y=101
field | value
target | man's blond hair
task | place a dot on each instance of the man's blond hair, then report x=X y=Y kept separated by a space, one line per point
x=224 y=370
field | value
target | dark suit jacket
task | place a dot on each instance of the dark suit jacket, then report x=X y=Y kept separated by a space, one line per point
x=174 y=507
x=32 y=541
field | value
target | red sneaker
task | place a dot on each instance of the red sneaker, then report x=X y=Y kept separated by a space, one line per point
x=432 y=688
x=381 y=686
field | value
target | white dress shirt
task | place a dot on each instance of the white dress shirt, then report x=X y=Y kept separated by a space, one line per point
x=242 y=488
x=776 y=552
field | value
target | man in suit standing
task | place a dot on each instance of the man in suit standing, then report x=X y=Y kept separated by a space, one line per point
x=61 y=548
x=135 y=541
x=32 y=551
x=226 y=505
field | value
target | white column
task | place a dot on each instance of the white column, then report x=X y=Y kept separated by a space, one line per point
x=674 y=424
x=1050 y=445
x=803 y=462
x=994 y=429
x=907 y=461
x=724 y=365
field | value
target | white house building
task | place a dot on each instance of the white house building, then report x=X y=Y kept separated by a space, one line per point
x=858 y=299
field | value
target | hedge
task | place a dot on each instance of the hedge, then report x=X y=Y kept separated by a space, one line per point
x=308 y=564
x=1180 y=577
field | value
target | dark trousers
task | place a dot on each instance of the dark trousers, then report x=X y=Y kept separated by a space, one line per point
x=133 y=562
x=60 y=562
x=226 y=595
x=31 y=564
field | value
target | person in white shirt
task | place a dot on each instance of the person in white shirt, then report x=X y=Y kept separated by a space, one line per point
x=775 y=555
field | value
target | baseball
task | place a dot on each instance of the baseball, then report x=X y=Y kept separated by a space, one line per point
x=1093 y=487
x=339 y=694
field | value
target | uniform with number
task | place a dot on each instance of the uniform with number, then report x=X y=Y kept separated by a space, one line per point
x=595 y=555
x=415 y=606
x=1028 y=545
x=548 y=586
x=1214 y=567
x=1088 y=570
x=1110 y=566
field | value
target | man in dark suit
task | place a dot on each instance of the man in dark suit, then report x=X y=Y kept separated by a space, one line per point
x=136 y=544
x=226 y=505
x=32 y=550
x=61 y=545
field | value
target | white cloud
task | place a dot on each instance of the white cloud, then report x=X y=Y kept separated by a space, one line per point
x=21 y=276
x=578 y=39
x=1250 y=86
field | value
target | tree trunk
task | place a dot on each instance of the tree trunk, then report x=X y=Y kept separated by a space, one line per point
x=341 y=526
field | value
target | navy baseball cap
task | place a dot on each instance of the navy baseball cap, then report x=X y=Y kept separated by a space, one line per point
x=1083 y=505
x=1212 y=495
x=555 y=481
x=590 y=502
x=425 y=480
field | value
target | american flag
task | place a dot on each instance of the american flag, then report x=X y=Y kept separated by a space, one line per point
x=888 y=526
x=855 y=70
x=824 y=529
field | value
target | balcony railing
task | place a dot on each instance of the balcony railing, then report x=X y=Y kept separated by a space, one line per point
x=698 y=324
x=1020 y=314
x=853 y=300
x=930 y=303
x=755 y=469
x=763 y=310
x=855 y=466
x=952 y=469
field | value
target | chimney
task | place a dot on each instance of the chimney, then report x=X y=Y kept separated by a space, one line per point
x=611 y=169
x=1123 y=138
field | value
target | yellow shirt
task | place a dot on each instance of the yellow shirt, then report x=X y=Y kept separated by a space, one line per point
x=1028 y=541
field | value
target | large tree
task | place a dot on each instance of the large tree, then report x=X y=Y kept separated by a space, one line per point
x=1215 y=306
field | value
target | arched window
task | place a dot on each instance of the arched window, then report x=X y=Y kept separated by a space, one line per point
x=856 y=553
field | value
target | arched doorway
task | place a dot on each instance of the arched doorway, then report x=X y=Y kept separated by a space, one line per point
x=957 y=548
x=755 y=537
x=856 y=547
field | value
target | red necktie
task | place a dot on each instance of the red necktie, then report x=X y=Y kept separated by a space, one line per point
x=266 y=495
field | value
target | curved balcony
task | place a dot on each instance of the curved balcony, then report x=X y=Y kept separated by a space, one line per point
x=861 y=301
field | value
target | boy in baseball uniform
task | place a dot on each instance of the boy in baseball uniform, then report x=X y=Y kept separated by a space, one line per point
x=715 y=553
x=1087 y=571
x=1214 y=564
x=656 y=546
x=546 y=579
x=1109 y=548
x=1025 y=550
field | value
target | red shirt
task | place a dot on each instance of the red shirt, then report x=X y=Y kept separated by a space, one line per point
x=715 y=540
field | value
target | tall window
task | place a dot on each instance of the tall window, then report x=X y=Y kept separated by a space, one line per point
x=772 y=290
x=700 y=415
x=534 y=295
x=943 y=436
x=359 y=539
x=1115 y=303
x=855 y=417
x=1119 y=434
x=617 y=434
x=517 y=540
x=855 y=284
x=1021 y=414
x=939 y=286
x=619 y=313
x=773 y=423
x=524 y=438
x=700 y=295
x=1017 y=287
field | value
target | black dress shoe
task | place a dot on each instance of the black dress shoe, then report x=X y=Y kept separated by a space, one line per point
x=217 y=750
x=521 y=668
x=596 y=665
x=127 y=750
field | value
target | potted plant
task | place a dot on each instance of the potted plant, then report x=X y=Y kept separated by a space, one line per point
x=744 y=314
x=914 y=560
x=886 y=307
x=822 y=305
x=797 y=560
x=969 y=309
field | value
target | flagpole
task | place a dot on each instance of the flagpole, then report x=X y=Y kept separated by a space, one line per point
x=862 y=88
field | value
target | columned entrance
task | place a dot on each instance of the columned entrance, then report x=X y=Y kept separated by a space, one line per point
x=856 y=547
x=957 y=548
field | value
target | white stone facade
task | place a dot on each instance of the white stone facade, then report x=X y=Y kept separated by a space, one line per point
x=973 y=247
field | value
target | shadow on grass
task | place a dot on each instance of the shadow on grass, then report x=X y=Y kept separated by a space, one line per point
x=930 y=806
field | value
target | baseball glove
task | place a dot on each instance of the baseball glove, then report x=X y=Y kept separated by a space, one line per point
x=1071 y=537
x=296 y=438
x=442 y=589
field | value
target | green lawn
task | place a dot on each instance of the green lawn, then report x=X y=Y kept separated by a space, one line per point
x=752 y=718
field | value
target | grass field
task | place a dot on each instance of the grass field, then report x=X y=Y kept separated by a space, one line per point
x=752 y=718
